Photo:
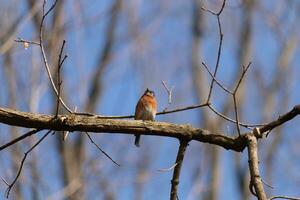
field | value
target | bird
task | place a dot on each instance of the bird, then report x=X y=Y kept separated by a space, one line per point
x=145 y=109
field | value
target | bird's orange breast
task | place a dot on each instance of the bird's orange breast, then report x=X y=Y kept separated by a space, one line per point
x=146 y=108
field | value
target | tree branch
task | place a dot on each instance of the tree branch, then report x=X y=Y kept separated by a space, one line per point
x=235 y=100
x=59 y=81
x=169 y=91
x=219 y=48
x=92 y=124
x=281 y=119
x=285 y=197
x=255 y=181
x=10 y=186
x=102 y=151
x=19 y=138
x=176 y=173
x=180 y=109
x=41 y=43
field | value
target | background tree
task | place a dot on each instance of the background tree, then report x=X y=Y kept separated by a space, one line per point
x=116 y=49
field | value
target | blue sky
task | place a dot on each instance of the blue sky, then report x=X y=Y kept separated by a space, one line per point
x=163 y=52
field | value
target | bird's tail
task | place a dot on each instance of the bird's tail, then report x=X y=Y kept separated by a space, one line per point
x=137 y=140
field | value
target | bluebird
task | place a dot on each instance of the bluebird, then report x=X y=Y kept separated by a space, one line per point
x=145 y=109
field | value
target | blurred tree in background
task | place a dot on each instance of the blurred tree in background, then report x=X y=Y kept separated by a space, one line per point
x=116 y=49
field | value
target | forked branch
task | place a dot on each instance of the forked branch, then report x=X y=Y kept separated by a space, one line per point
x=10 y=186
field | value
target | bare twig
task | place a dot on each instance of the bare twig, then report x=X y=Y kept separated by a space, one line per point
x=218 y=83
x=234 y=97
x=59 y=82
x=284 y=197
x=6 y=183
x=19 y=138
x=268 y=185
x=245 y=69
x=232 y=120
x=41 y=42
x=281 y=120
x=16 y=26
x=168 y=169
x=64 y=59
x=102 y=151
x=219 y=48
x=183 y=109
x=27 y=41
x=255 y=181
x=10 y=186
x=215 y=13
x=236 y=114
x=178 y=110
x=233 y=93
x=169 y=91
x=176 y=174
x=132 y=116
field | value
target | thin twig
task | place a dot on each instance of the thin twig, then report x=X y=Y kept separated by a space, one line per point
x=232 y=120
x=63 y=60
x=168 y=169
x=214 y=79
x=268 y=185
x=242 y=76
x=169 y=91
x=132 y=116
x=59 y=82
x=10 y=186
x=102 y=151
x=41 y=42
x=219 y=48
x=236 y=114
x=215 y=13
x=234 y=98
x=6 y=183
x=176 y=173
x=284 y=197
x=281 y=119
x=182 y=109
x=16 y=27
x=19 y=138
x=27 y=41
x=218 y=83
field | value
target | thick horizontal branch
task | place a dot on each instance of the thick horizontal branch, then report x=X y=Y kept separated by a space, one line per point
x=92 y=124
